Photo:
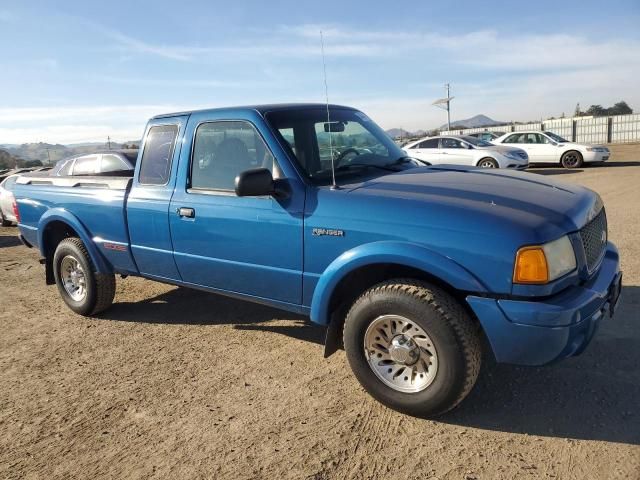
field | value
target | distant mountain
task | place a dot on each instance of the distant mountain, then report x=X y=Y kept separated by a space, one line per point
x=473 y=122
x=399 y=132
x=47 y=152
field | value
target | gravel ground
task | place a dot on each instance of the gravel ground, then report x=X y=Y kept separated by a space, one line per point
x=174 y=383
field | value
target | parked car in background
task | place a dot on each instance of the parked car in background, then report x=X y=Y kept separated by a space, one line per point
x=109 y=161
x=7 y=213
x=7 y=173
x=486 y=136
x=547 y=147
x=466 y=150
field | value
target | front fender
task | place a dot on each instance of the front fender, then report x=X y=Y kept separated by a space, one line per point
x=64 y=216
x=390 y=252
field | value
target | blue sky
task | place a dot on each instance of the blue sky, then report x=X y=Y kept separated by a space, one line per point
x=79 y=71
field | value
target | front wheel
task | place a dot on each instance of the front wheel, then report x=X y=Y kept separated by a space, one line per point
x=488 y=163
x=413 y=347
x=571 y=159
x=85 y=291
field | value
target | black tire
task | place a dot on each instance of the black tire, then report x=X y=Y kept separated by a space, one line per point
x=455 y=336
x=488 y=163
x=571 y=159
x=100 y=288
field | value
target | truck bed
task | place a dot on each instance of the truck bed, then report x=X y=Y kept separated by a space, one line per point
x=95 y=203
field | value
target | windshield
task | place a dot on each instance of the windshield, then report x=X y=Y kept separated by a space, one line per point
x=477 y=142
x=359 y=148
x=555 y=137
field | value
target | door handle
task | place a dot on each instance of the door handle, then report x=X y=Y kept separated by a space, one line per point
x=445 y=153
x=186 y=212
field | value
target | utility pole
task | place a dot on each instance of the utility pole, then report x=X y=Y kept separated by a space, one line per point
x=445 y=104
x=447 y=86
x=48 y=156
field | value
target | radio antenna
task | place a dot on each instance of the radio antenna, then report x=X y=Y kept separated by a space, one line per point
x=326 y=94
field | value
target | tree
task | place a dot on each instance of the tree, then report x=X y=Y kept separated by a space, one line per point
x=30 y=163
x=596 y=110
x=620 y=108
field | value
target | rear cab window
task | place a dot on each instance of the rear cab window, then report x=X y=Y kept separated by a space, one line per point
x=155 y=167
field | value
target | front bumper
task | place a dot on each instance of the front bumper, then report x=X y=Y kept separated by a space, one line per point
x=536 y=332
x=596 y=156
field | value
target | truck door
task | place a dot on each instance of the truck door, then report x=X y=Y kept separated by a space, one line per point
x=148 y=202
x=246 y=245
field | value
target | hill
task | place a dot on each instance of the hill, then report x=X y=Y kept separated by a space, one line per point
x=399 y=132
x=47 y=152
x=474 y=122
x=9 y=161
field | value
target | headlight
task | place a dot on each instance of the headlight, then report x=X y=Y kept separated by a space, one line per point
x=514 y=156
x=544 y=263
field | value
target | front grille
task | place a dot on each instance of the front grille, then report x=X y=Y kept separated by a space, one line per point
x=594 y=240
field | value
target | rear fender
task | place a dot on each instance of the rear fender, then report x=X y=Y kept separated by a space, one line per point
x=389 y=252
x=66 y=217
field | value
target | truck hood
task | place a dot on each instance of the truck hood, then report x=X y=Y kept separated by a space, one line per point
x=526 y=201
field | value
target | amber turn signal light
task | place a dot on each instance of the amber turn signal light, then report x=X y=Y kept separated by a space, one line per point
x=531 y=266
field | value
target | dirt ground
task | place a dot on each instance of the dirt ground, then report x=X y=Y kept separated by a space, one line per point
x=174 y=383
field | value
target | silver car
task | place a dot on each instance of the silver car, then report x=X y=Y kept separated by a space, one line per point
x=6 y=201
x=464 y=150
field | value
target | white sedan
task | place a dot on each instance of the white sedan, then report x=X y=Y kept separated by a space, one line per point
x=464 y=150
x=7 y=214
x=547 y=147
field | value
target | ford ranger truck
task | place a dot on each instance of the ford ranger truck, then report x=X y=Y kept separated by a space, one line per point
x=415 y=270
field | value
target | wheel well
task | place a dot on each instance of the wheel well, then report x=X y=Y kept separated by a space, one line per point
x=358 y=281
x=485 y=158
x=571 y=151
x=53 y=234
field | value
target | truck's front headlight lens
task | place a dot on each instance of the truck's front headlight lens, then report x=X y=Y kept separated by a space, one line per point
x=544 y=263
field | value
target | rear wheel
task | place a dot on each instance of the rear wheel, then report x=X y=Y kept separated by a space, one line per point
x=413 y=347
x=488 y=163
x=83 y=290
x=571 y=159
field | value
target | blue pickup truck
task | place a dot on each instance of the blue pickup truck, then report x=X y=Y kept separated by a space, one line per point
x=416 y=270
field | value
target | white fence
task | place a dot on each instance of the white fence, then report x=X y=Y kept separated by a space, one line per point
x=615 y=129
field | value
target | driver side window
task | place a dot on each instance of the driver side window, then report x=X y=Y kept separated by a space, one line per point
x=222 y=150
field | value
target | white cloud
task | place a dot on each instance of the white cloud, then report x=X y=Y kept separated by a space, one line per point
x=77 y=124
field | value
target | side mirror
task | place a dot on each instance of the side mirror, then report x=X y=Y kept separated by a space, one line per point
x=256 y=182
